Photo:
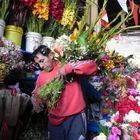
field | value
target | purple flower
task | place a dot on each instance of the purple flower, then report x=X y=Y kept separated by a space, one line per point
x=132 y=91
x=105 y=58
x=113 y=137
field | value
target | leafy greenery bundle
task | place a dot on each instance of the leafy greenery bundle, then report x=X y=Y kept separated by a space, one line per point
x=50 y=92
x=34 y=24
x=4 y=5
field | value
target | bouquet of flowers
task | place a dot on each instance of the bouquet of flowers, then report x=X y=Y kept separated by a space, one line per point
x=84 y=43
x=10 y=56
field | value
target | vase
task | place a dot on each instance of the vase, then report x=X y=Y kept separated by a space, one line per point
x=33 y=40
x=14 y=34
x=2 y=72
x=2 y=27
x=48 y=41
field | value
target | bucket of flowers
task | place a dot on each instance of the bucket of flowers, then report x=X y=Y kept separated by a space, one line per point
x=50 y=32
x=37 y=17
x=4 y=5
x=16 y=21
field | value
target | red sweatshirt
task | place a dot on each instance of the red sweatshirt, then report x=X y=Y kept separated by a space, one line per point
x=71 y=101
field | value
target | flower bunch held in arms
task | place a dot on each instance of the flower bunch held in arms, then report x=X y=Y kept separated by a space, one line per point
x=50 y=94
x=4 y=5
x=94 y=44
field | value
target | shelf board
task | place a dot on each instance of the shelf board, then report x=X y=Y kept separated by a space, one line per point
x=26 y=52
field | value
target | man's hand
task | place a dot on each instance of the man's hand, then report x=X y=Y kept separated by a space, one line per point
x=61 y=73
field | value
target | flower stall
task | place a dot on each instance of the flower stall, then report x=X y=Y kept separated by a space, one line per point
x=75 y=40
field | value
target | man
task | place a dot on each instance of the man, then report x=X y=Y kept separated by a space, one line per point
x=67 y=121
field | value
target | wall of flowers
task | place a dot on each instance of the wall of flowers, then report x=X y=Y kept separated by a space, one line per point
x=72 y=39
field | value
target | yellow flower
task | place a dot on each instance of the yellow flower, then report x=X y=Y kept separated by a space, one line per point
x=73 y=36
x=109 y=65
x=68 y=18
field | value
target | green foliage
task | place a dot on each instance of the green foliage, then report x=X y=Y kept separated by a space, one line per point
x=104 y=130
x=33 y=24
x=51 y=92
x=4 y=5
x=50 y=28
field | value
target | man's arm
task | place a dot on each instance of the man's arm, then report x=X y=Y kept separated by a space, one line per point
x=87 y=67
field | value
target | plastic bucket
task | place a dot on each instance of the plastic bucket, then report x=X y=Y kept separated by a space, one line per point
x=2 y=27
x=48 y=41
x=14 y=34
x=33 y=40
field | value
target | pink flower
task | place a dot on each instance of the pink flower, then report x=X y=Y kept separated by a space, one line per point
x=118 y=118
x=116 y=131
x=126 y=137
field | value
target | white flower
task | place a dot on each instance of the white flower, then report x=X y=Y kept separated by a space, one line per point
x=101 y=136
x=130 y=117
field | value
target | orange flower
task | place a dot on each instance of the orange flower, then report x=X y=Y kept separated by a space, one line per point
x=73 y=36
x=41 y=10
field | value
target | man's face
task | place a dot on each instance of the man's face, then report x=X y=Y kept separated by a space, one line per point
x=45 y=62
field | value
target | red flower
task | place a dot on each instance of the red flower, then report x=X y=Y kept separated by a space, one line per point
x=130 y=82
x=28 y=3
x=56 y=9
x=135 y=136
x=105 y=93
x=135 y=124
x=109 y=103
